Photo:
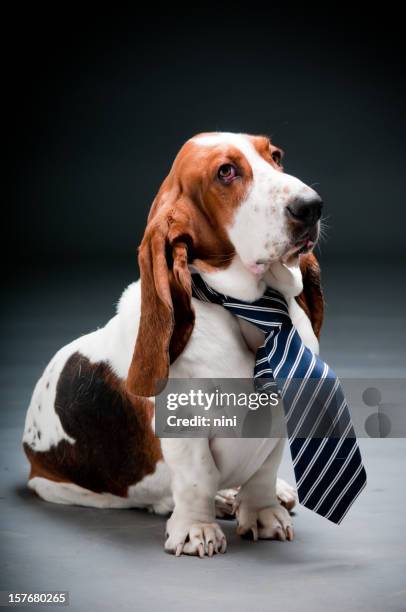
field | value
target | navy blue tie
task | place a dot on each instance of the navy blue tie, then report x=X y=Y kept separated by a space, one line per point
x=326 y=459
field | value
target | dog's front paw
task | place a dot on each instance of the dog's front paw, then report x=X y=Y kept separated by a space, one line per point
x=194 y=538
x=286 y=494
x=225 y=502
x=271 y=523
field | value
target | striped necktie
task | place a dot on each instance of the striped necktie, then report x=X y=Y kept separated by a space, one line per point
x=326 y=458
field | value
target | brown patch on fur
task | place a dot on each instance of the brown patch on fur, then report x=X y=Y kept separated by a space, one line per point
x=266 y=149
x=115 y=446
x=40 y=468
x=311 y=299
x=186 y=225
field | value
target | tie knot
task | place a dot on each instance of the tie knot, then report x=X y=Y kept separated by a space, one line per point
x=270 y=310
x=271 y=298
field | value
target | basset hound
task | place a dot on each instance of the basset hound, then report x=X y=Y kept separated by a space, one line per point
x=227 y=210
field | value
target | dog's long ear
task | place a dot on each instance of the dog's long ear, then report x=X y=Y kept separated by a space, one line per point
x=167 y=316
x=311 y=299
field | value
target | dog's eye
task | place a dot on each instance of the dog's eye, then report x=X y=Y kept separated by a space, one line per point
x=227 y=173
x=277 y=157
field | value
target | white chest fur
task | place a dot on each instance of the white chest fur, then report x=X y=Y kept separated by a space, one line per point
x=223 y=347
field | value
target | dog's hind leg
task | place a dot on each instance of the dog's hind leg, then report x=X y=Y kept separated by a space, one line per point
x=71 y=494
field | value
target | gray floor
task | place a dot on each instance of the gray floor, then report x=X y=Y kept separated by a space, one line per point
x=113 y=559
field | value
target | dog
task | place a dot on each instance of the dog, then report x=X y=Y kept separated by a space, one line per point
x=228 y=211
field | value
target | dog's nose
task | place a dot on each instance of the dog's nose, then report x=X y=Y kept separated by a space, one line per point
x=307 y=212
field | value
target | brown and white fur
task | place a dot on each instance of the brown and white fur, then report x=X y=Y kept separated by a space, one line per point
x=89 y=427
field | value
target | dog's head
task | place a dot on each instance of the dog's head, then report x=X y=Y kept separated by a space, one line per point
x=228 y=210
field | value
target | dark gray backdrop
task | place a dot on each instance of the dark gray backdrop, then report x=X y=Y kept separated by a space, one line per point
x=103 y=102
x=99 y=105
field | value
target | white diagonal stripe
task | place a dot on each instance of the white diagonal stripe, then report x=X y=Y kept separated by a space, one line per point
x=303 y=383
x=355 y=475
x=285 y=352
x=293 y=368
x=337 y=476
x=352 y=501
x=310 y=402
x=259 y=374
x=324 y=470
x=321 y=447
x=321 y=415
